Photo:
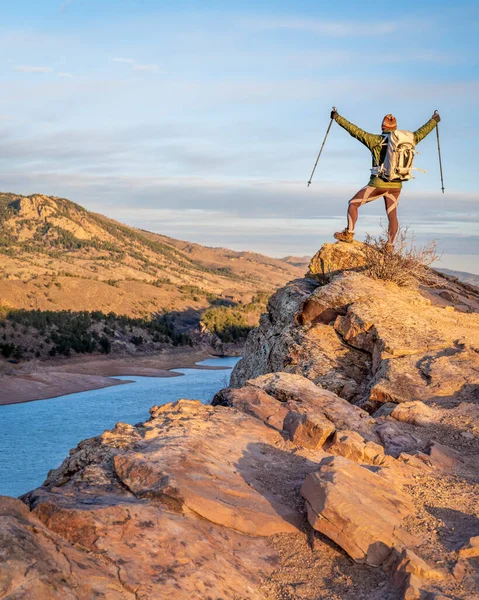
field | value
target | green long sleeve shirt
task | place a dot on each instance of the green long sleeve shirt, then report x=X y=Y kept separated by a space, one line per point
x=374 y=142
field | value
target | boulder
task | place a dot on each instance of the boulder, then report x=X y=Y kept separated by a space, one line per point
x=308 y=429
x=415 y=413
x=256 y=403
x=396 y=440
x=411 y=573
x=353 y=446
x=357 y=509
x=443 y=456
x=471 y=549
x=286 y=387
x=335 y=258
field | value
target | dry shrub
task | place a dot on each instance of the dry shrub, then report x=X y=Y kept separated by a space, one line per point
x=403 y=263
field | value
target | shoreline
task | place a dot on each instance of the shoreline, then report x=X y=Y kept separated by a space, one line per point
x=33 y=382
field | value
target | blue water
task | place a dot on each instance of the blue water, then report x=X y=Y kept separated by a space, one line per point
x=36 y=436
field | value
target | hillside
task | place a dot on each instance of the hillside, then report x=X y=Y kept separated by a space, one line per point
x=57 y=256
x=340 y=464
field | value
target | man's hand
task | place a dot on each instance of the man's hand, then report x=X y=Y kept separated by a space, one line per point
x=436 y=116
x=334 y=114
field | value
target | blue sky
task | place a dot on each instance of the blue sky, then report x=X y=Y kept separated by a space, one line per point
x=202 y=120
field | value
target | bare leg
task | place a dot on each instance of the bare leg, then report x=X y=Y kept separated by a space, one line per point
x=366 y=194
x=391 y=199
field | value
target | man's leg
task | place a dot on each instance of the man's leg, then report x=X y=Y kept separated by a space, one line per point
x=391 y=199
x=366 y=194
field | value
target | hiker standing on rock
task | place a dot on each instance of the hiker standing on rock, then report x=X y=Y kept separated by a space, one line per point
x=392 y=154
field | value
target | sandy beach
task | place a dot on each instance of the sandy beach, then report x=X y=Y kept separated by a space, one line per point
x=36 y=380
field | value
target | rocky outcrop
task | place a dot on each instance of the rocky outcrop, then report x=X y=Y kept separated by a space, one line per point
x=368 y=341
x=353 y=418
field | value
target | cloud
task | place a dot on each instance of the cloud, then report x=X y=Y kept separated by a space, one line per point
x=32 y=69
x=329 y=28
x=147 y=68
x=64 y=75
x=130 y=61
x=65 y=4
x=137 y=67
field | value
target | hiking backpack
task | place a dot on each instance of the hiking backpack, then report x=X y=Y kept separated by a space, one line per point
x=397 y=165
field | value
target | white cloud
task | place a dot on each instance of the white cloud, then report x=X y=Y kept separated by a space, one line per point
x=32 y=69
x=137 y=67
x=330 y=28
x=64 y=75
x=130 y=61
x=147 y=68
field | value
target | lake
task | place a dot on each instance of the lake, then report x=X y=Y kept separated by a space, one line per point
x=36 y=436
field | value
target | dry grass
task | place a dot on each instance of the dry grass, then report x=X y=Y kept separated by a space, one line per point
x=404 y=263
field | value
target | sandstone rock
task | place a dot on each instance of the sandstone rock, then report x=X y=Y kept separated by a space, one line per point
x=278 y=344
x=309 y=430
x=332 y=259
x=431 y=376
x=353 y=446
x=256 y=403
x=356 y=508
x=460 y=570
x=415 y=413
x=327 y=302
x=37 y=564
x=443 y=456
x=402 y=323
x=449 y=296
x=396 y=440
x=384 y=410
x=285 y=386
x=471 y=549
x=282 y=308
x=167 y=512
x=411 y=573
x=181 y=468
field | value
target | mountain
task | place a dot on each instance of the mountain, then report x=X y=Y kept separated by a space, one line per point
x=58 y=256
x=297 y=261
x=469 y=278
x=95 y=263
x=348 y=439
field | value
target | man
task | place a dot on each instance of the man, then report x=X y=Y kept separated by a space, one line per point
x=378 y=186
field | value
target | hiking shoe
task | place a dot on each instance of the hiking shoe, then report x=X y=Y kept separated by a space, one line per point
x=344 y=236
x=388 y=248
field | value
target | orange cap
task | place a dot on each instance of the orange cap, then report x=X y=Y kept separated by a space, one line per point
x=389 y=123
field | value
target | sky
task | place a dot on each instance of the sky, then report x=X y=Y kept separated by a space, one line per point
x=202 y=120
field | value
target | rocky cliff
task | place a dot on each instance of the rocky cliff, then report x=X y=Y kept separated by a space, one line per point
x=342 y=464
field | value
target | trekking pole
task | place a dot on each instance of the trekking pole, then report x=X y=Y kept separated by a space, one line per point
x=321 y=149
x=439 y=152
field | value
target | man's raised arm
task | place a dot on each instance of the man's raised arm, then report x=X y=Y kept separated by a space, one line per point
x=370 y=140
x=426 y=129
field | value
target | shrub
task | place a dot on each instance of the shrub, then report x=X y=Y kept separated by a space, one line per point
x=105 y=345
x=404 y=263
x=7 y=350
